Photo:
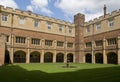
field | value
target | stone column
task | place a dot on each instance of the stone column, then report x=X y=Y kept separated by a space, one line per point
x=93 y=56
x=73 y=58
x=28 y=50
x=84 y=58
x=65 y=58
x=42 y=57
x=43 y=43
x=55 y=44
x=54 y=57
x=65 y=51
x=11 y=48
x=2 y=49
x=118 y=43
x=104 y=52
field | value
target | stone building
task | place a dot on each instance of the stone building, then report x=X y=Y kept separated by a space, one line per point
x=26 y=37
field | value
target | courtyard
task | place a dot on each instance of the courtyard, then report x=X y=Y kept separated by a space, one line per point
x=49 y=72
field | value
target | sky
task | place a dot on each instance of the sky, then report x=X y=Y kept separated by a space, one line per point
x=64 y=9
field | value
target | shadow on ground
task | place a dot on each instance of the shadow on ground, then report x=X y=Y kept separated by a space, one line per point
x=15 y=73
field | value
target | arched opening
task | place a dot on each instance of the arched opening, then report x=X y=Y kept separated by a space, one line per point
x=112 y=58
x=35 y=57
x=88 y=58
x=70 y=57
x=60 y=57
x=7 y=57
x=48 y=57
x=19 y=57
x=98 y=58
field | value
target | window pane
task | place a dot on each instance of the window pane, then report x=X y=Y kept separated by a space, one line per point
x=36 y=23
x=4 y=17
x=21 y=22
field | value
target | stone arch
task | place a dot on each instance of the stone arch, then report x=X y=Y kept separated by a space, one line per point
x=60 y=57
x=48 y=57
x=19 y=57
x=98 y=58
x=112 y=58
x=35 y=57
x=88 y=58
x=7 y=57
x=70 y=57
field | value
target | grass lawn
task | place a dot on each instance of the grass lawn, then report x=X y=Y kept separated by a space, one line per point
x=55 y=73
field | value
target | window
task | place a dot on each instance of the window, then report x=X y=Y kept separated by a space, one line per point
x=7 y=38
x=48 y=42
x=35 y=41
x=70 y=30
x=98 y=27
x=4 y=17
x=99 y=43
x=111 y=23
x=49 y=26
x=21 y=22
x=88 y=44
x=60 y=28
x=69 y=45
x=60 y=44
x=112 y=41
x=20 y=39
x=87 y=29
x=36 y=23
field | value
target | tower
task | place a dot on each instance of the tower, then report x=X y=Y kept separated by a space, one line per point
x=79 y=21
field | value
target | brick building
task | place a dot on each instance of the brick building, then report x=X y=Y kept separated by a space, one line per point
x=26 y=37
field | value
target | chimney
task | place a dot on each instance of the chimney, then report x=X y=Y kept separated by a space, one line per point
x=105 y=12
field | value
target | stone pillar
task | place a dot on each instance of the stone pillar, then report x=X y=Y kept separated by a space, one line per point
x=54 y=57
x=65 y=51
x=42 y=57
x=118 y=43
x=104 y=52
x=43 y=43
x=2 y=49
x=93 y=56
x=74 y=58
x=84 y=59
x=65 y=58
x=55 y=44
x=11 y=49
x=28 y=50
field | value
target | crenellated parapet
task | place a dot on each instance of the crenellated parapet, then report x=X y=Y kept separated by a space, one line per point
x=101 y=18
x=34 y=15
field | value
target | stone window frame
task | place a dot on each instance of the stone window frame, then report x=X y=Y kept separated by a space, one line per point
x=35 y=41
x=111 y=41
x=49 y=25
x=99 y=43
x=70 y=30
x=88 y=29
x=20 y=39
x=69 y=45
x=60 y=43
x=88 y=44
x=22 y=20
x=7 y=38
x=60 y=28
x=111 y=22
x=48 y=42
x=98 y=27
x=4 y=17
x=36 y=23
